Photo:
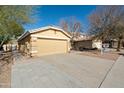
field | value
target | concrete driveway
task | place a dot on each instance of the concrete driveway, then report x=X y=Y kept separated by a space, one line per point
x=62 y=70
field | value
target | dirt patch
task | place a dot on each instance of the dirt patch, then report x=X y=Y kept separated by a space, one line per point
x=5 y=70
x=109 y=55
x=5 y=76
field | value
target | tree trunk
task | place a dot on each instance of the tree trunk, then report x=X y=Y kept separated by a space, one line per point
x=1 y=45
x=119 y=44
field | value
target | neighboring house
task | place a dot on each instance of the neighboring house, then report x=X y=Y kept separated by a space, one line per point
x=82 y=44
x=44 y=41
x=86 y=42
x=112 y=43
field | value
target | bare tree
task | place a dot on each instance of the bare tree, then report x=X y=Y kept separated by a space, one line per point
x=104 y=22
x=64 y=25
x=72 y=26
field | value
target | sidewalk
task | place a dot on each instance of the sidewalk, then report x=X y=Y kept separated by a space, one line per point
x=115 y=78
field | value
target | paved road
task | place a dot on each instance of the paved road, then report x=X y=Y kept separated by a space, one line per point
x=115 y=78
x=62 y=70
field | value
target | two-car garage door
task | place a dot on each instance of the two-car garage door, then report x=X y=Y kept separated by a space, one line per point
x=51 y=46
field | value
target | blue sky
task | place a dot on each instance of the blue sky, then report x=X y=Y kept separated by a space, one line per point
x=52 y=14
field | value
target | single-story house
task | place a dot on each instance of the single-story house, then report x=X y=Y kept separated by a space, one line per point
x=44 y=41
x=83 y=41
x=83 y=44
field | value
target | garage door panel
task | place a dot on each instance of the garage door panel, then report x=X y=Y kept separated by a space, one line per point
x=48 y=46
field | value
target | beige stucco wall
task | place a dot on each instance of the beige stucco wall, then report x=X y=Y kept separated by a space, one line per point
x=51 y=33
x=46 y=42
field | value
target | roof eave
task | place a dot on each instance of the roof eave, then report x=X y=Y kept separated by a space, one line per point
x=41 y=29
x=49 y=27
x=23 y=35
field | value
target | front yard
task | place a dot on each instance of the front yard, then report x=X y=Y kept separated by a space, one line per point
x=109 y=55
x=5 y=70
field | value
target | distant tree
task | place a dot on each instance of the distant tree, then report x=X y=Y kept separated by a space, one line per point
x=64 y=25
x=12 y=19
x=72 y=26
x=105 y=23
